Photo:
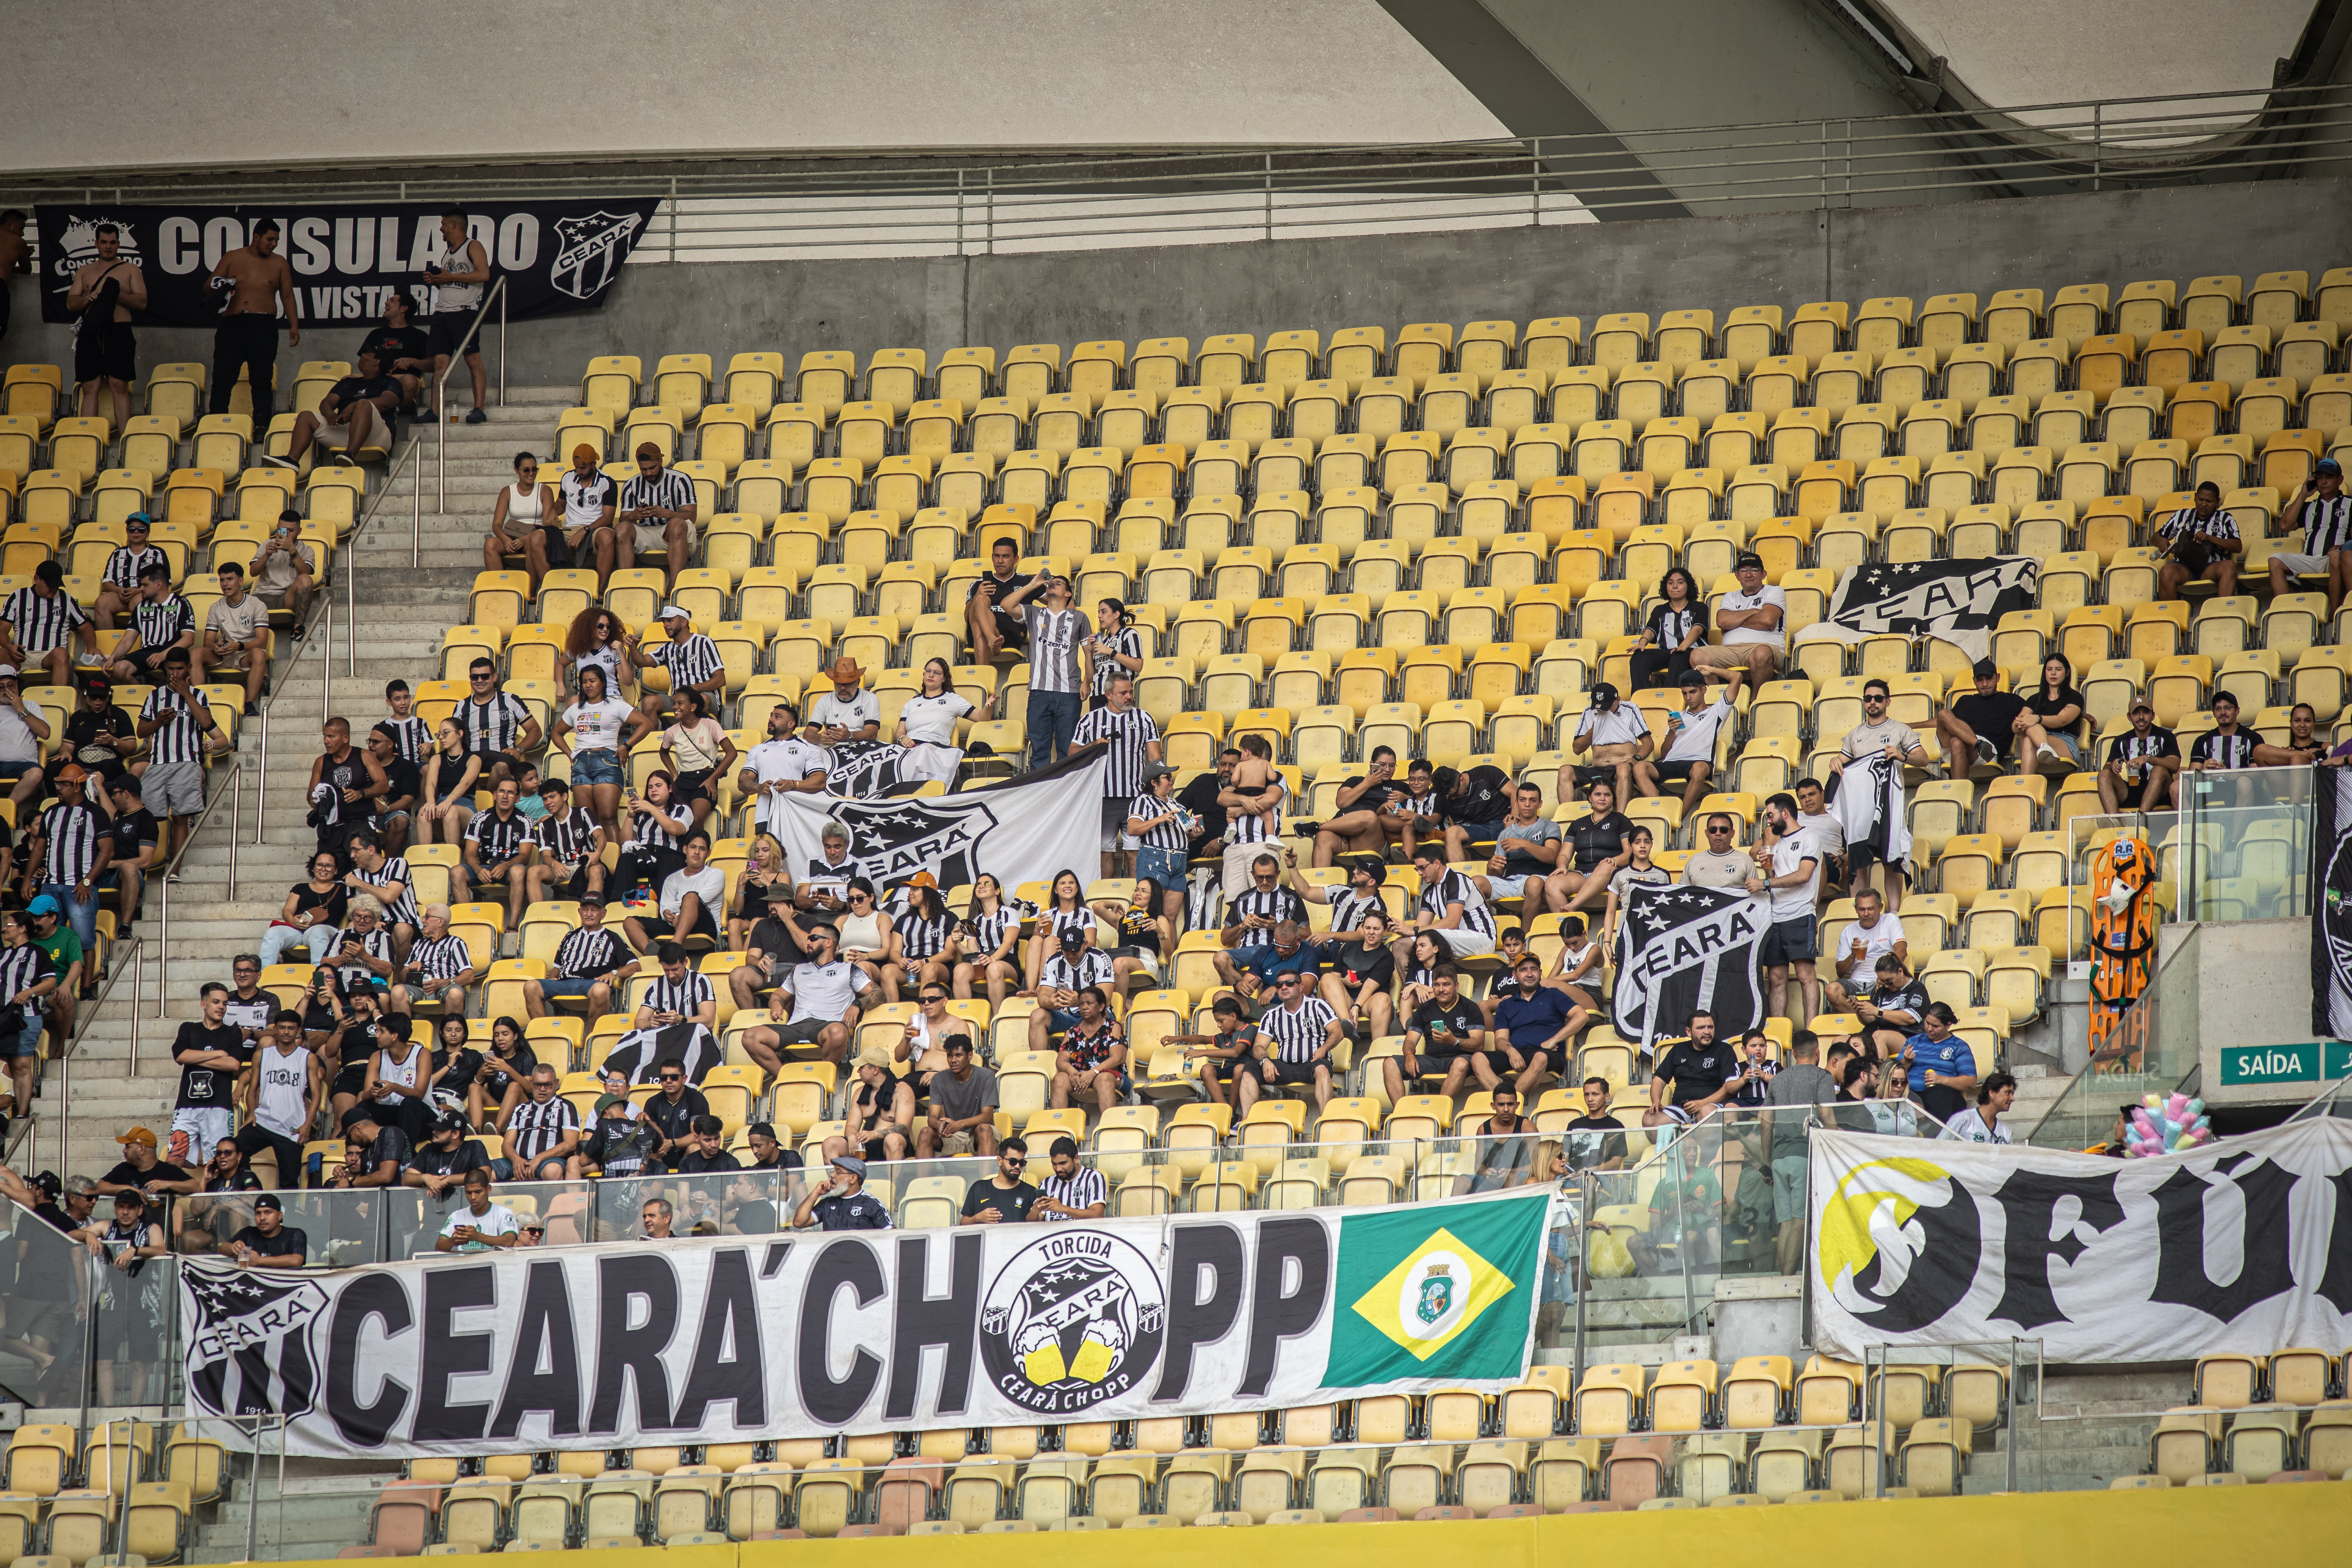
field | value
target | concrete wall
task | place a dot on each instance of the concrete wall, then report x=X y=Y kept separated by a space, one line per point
x=2253 y=988
x=1522 y=273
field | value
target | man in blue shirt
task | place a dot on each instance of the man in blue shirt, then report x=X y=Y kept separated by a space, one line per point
x=841 y=1201
x=1942 y=1066
x=1288 y=954
x=1533 y=1028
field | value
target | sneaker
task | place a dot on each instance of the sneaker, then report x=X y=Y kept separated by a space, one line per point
x=424 y=416
x=477 y=417
x=1987 y=752
x=345 y=460
x=2047 y=750
x=275 y=461
x=253 y=709
x=265 y=686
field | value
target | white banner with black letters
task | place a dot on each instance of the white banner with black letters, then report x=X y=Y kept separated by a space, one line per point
x=1959 y=601
x=1682 y=950
x=1039 y=824
x=2239 y=1246
x=747 y=1339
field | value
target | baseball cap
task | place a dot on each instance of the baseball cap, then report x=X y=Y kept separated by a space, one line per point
x=1603 y=694
x=2328 y=465
x=671 y=612
x=138 y=1135
x=1749 y=558
x=45 y=905
x=606 y=1101
x=1157 y=771
x=595 y=898
x=71 y=774
x=851 y=1163
x=266 y=1201
x=1691 y=677
x=2141 y=705
x=1071 y=935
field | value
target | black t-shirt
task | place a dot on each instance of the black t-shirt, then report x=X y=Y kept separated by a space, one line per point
x=619 y=1147
x=770 y=936
x=499 y=1073
x=402 y=780
x=127 y=1175
x=392 y=343
x=390 y=1145
x=359 y=388
x=1011 y=1203
x=696 y=1162
x=674 y=1118
x=463 y=1069
x=1594 y=839
x=1486 y=798
x=2042 y=705
x=1909 y=998
x=208 y=1089
x=1199 y=798
x=1355 y=965
x=1006 y=588
x=131 y=830
x=1697 y=1071
x=1374 y=798
x=83 y=729
x=1990 y=717
x=435 y=1160
x=1445 y=1031
x=245 y=1181
x=288 y=1243
x=1591 y=1141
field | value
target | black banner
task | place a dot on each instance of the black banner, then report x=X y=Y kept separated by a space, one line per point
x=2331 y=905
x=555 y=256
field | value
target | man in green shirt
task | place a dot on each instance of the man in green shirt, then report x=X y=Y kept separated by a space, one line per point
x=53 y=936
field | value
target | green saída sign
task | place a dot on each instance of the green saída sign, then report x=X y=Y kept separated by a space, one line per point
x=2306 y=1061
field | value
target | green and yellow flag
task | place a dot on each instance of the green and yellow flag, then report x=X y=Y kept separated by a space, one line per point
x=1444 y=1291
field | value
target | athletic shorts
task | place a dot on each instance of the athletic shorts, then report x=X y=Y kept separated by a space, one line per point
x=175 y=789
x=1789 y=942
x=446 y=330
x=111 y=356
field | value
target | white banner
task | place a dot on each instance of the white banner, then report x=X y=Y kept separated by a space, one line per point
x=760 y=1338
x=1021 y=831
x=2241 y=1246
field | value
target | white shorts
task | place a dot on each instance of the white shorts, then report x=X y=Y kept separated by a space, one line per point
x=2301 y=565
x=655 y=536
x=1469 y=943
x=202 y=1127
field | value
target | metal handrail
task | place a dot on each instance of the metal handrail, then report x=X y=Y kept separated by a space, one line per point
x=136 y=961
x=441 y=384
x=235 y=790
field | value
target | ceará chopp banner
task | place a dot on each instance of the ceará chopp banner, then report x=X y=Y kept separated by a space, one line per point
x=556 y=256
x=760 y=1338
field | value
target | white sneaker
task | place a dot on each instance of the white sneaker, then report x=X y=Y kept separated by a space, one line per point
x=2047 y=750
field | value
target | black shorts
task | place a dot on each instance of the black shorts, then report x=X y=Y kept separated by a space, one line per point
x=693 y=786
x=253 y=1138
x=1499 y=1062
x=444 y=330
x=571 y=887
x=1012 y=628
x=1789 y=942
x=1227 y=1069
x=1679 y=772
x=490 y=760
x=350 y=1079
x=658 y=928
x=1271 y=1073
x=150 y=659
x=108 y=355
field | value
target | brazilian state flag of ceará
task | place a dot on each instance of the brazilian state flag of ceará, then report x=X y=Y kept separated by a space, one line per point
x=1446 y=1291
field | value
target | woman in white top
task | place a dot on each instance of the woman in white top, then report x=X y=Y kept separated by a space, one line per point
x=596 y=637
x=695 y=749
x=603 y=730
x=868 y=940
x=515 y=520
x=927 y=724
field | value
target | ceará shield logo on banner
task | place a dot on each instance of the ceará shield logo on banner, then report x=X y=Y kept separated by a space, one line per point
x=588 y=249
x=1071 y=1320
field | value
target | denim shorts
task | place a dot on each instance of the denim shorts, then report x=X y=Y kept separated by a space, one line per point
x=598 y=767
x=1165 y=867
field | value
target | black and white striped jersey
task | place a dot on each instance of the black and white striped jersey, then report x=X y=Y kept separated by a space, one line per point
x=160 y=624
x=585 y=954
x=922 y=938
x=43 y=623
x=1278 y=903
x=494 y=725
x=2220 y=751
x=1092 y=968
x=1245 y=827
x=679 y=996
x=568 y=839
x=1348 y=909
x=21 y=969
x=395 y=870
x=690 y=662
x=124 y=565
x=1297 y=1033
x=70 y=835
x=1081 y=1189
x=538 y=1126
x=412 y=737
x=1454 y=888
x=498 y=840
x=1127 y=641
x=376 y=943
x=441 y=958
x=1169 y=835
x=987 y=929
x=1127 y=733
x=180 y=736
x=1058 y=921
x=668 y=490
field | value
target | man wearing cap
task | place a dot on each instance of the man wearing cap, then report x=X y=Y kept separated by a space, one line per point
x=237 y=634
x=142 y=1173
x=285 y=570
x=356 y=404
x=1978 y=729
x=2198 y=540
x=589 y=964
x=1752 y=619
x=67 y=851
x=841 y=1201
x=1067 y=972
x=590 y=498
x=117 y=580
x=39 y=622
x=1614 y=734
x=690 y=659
x=847 y=712
x=99 y=736
x=1692 y=731
x=2142 y=765
x=446 y=1158
x=161 y=620
x=22 y=729
x=659 y=507
x=268 y=1242
x=2325 y=512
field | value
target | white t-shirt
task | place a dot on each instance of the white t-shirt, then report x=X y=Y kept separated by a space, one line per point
x=1796 y=901
x=1620 y=725
x=17 y=743
x=1767 y=594
x=1826 y=827
x=1877 y=941
x=1969 y=1127
x=710 y=885
x=598 y=726
x=1695 y=741
x=829 y=712
x=789 y=760
x=498 y=1220
x=824 y=990
x=1871 y=740
x=931 y=720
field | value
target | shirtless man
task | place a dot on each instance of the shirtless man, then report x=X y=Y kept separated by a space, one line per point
x=1253 y=777
x=457 y=282
x=105 y=352
x=16 y=256
x=247 y=338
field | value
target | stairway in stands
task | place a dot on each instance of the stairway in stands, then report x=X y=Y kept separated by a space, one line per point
x=401 y=615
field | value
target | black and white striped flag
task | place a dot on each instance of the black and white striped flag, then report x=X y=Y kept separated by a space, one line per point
x=1682 y=948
